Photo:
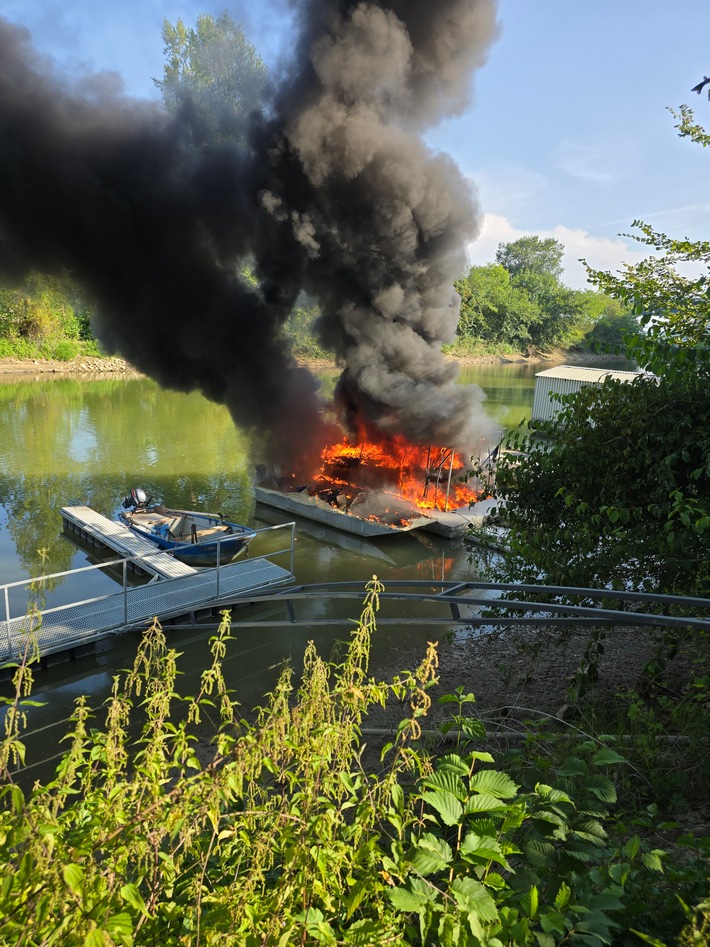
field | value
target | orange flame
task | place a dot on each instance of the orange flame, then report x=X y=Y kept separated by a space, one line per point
x=429 y=477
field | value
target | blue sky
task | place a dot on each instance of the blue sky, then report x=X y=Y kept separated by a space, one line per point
x=568 y=134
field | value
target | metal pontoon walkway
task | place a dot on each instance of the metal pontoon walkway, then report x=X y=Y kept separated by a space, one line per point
x=89 y=524
x=76 y=627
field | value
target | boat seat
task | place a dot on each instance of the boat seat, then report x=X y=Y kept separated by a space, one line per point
x=176 y=525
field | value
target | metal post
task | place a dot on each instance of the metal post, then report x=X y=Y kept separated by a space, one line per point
x=7 y=624
x=125 y=592
x=219 y=550
x=448 y=486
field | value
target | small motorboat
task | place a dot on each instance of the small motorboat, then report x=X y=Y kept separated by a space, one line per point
x=198 y=539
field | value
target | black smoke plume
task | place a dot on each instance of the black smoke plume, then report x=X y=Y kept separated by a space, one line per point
x=336 y=195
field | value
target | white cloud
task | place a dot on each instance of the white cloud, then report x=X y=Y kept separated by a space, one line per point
x=602 y=253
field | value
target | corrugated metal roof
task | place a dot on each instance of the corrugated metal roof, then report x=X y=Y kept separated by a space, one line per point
x=580 y=373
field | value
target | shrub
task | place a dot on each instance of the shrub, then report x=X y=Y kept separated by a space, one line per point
x=285 y=835
x=65 y=350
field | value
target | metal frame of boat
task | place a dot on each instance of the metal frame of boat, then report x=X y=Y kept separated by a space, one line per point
x=302 y=504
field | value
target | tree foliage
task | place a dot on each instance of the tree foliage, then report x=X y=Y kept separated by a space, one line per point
x=520 y=302
x=620 y=494
x=493 y=309
x=42 y=316
x=214 y=77
x=532 y=254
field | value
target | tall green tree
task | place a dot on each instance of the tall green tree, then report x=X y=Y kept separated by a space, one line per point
x=532 y=254
x=493 y=309
x=535 y=268
x=608 y=322
x=214 y=76
x=620 y=495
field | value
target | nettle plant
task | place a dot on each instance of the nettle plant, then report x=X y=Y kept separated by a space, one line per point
x=288 y=836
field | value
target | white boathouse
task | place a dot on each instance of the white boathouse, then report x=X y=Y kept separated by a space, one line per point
x=564 y=380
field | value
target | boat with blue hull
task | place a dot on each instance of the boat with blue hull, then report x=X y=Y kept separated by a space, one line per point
x=199 y=539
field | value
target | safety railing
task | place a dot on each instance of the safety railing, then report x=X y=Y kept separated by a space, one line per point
x=27 y=609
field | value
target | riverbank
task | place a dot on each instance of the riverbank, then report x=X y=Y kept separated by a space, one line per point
x=86 y=365
x=94 y=365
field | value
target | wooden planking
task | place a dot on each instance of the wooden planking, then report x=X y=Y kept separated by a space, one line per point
x=125 y=542
x=71 y=626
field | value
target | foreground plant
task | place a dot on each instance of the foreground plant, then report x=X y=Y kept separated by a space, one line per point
x=287 y=836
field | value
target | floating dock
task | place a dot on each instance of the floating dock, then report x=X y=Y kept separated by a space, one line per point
x=96 y=529
x=177 y=591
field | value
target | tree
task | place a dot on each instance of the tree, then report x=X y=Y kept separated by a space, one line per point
x=214 y=77
x=620 y=495
x=532 y=254
x=43 y=310
x=493 y=309
x=535 y=268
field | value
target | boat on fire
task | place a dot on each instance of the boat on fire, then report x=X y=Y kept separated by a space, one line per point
x=198 y=539
x=369 y=514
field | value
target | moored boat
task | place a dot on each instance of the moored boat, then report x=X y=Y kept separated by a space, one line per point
x=199 y=539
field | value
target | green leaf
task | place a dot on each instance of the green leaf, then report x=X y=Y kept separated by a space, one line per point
x=654 y=941
x=483 y=848
x=607 y=757
x=652 y=860
x=74 y=877
x=132 y=896
x=472 y=897
x=95 y=939
x=451 y=762
x=562 y=897
x=496 y=784
x=431 y=854
x=602 y=787
x=544 y=940
x=448 y=782
x=573 y=767
x=550 y=794
x=539 y=854
x=447 y=805
x=631 y=849
x=413 y=898
x=483 y=802
x=120 y=927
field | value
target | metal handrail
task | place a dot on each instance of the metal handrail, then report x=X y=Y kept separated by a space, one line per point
x=124 y=562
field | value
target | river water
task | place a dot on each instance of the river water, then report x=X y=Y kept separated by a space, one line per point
x=67 y=440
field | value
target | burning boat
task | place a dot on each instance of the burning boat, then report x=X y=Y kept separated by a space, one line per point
x=372 y=488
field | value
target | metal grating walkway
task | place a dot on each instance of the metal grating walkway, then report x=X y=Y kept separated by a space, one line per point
x=71 y=626
x=85 y=521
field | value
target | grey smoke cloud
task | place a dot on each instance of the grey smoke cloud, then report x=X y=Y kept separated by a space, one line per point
x=336 y=195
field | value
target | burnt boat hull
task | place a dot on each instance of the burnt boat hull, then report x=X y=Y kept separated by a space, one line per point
x=302 y=504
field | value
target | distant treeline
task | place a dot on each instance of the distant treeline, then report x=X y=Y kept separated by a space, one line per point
x=516 y=304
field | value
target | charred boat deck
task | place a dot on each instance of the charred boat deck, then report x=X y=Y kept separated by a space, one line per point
x=451 y=524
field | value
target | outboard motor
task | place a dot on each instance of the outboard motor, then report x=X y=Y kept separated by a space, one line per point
x=138 y=499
